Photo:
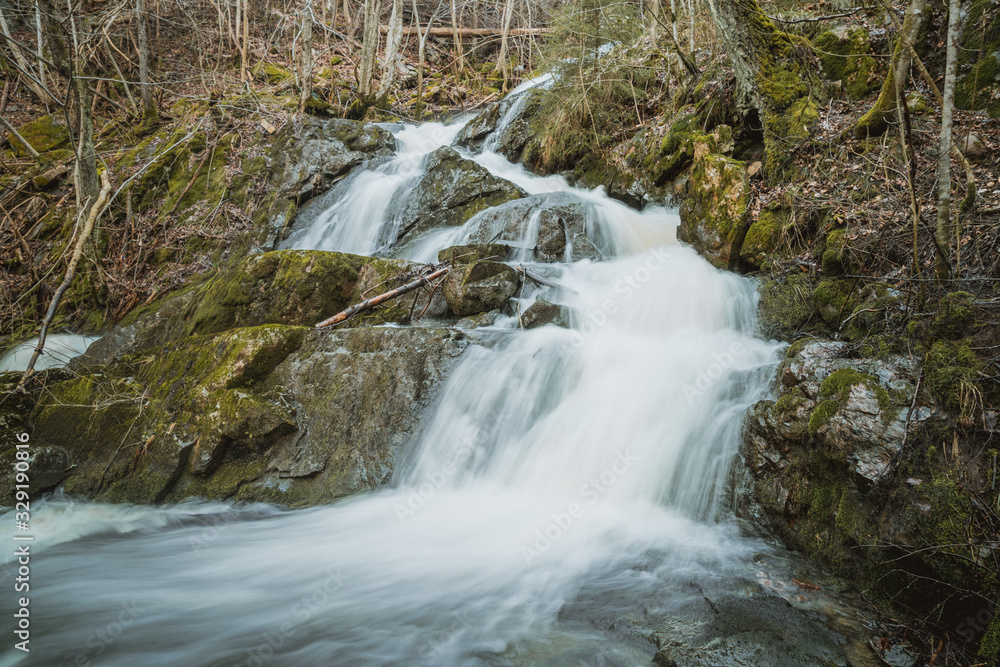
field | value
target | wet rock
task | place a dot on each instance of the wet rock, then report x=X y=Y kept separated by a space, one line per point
x=479 y=287
x=486 y=319
x=509 y=120
x=714 y=217
x=480 y=127
x=272 y=413
x=451 y=192
x=546 y=228
x=473 y=252
x=542 y=312
x=307 y=157
x=309 y=154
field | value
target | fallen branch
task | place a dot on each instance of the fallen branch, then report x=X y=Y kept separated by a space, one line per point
x=88 y=227
x=541 y=281
x=466 y=32
x=382 y=298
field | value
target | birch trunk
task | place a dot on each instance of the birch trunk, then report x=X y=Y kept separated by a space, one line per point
x=941 y=229
x=394 y=40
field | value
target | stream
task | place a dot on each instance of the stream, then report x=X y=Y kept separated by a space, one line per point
x=564 y=501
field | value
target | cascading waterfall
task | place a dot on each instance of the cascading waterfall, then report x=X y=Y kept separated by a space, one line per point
x=365 y=204
x=565 y=483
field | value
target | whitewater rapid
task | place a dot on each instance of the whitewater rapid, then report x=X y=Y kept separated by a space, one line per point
x=566 y=484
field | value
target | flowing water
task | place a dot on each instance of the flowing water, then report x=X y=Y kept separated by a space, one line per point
x=563 y=502
x=58 y=350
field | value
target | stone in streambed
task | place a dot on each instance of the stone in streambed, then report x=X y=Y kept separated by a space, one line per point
x=467 y=254
x=479 y=287
x=543 y=312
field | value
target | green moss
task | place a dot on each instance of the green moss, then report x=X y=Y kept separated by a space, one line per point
x=44 y=134
x=821 y=415
x=795 y=348
x=832 y=299
x=949 y=366
x=839 y=383
x=785 y=307
x=762 y=238
x=845 y=56
x=989 y=647
x=956 y=315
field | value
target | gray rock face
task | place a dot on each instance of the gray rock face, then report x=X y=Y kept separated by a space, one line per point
x=855 y=409
x=451 y=192
x=308 y=156
x=479 y=287
x=480 y=127
x=274 y=413
x=552 y=227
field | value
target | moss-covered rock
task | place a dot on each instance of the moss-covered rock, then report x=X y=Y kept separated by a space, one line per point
x=845 y=55
x=466 y=254
x=291 y=287
x=785 y=306
x=762 y=237
x=271 y=413
x=978 y=85
x=44 y=134
x=714 y=217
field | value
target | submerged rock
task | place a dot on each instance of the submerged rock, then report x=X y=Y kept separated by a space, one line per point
x=451 y=192
x=552 y=227
x=479 y=287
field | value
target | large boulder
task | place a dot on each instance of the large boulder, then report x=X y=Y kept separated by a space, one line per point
x=291 y=287
x=845 y=465
x=479 y=287
x=274 y=413
x=551 y=227
x=307 y=157
x=451 y=191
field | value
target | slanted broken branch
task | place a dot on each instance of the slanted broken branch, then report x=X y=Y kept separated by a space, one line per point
x=367 y=304
x=541 y=281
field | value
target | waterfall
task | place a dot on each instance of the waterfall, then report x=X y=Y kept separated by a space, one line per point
x=566 y=486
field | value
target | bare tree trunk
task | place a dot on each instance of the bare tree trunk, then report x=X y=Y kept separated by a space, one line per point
x=654 y=17
x=769 y=75
x=456 y=38
x=421 y=46
x=508 y=14
x=149 y=113
x=875 y=121
x=305 y=86
x=85 y=171
x=244 y=47
x=29 y=77
x=394 y=40
x=369 y=48
x=38 y=39
x=941 y=235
